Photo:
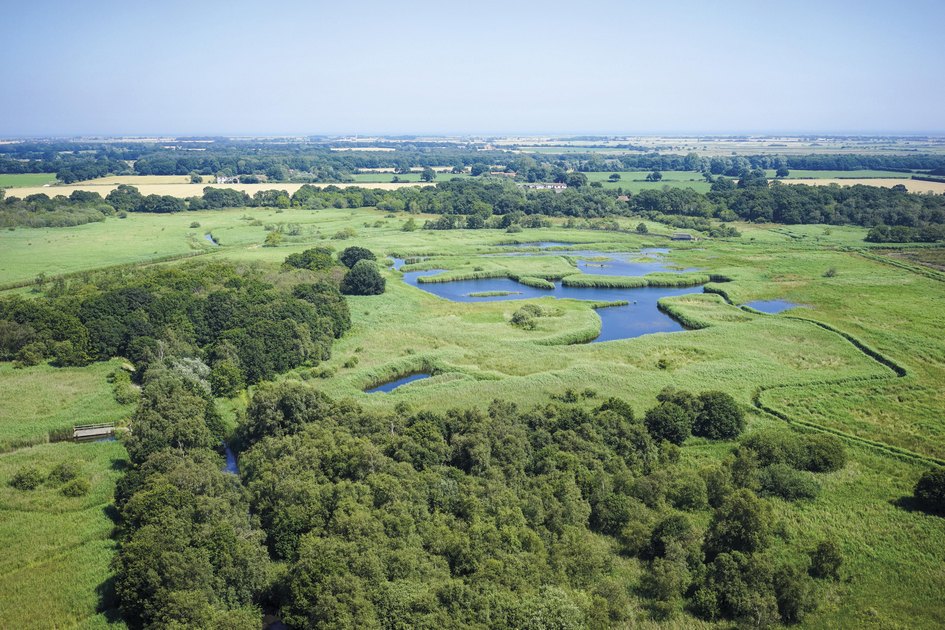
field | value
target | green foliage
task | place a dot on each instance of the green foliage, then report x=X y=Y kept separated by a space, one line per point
x=64 y=471
x=743 y=523
x=783 y=481
x=668 y=421
x=826 y=560
x=719 y=417
x=226 y=379
x=363 y=279
x=27 y=478
x=930 y=490
x=76 y=488
x=818 y=452
x=351 y=255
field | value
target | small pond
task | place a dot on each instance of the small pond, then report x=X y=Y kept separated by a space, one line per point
x=231 y=466
x=209 y=238
x=772 y=307
x=641 y=316
x=392 y=385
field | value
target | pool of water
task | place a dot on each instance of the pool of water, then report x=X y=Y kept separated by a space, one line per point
x=231 y=466
x=392 y=385
x=772 y=307
x=641 y=316
x=209 y=238
x=541 y=244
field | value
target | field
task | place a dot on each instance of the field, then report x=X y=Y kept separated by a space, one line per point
x=815 y=376
x=26 y=179
x=912 y=185
x=55 y=569
x=863 y=174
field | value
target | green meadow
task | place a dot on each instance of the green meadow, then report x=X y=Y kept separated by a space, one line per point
x=824 y=365
x=10 y=180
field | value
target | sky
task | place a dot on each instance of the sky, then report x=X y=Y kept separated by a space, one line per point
x=592 y=67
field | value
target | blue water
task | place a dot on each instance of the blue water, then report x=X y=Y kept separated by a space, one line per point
x=641 y=316
x=772 y=307
x=392 y=385
x=541 y=244
x=231 y=466
x=209 y=237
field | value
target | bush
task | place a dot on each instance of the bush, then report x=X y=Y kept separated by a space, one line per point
x=825 y=560
x=930 y=490
x=823 y=453
x=27 y=478
x=742 y=523
x=226 y=379
x=794 y=593
x=76 y=488
x=668 y=421
x=363 y=279
x=783 y=481
x=720 y=417
x=29 y=355
x=351 y=255
x=194 y=224
x=63 y=472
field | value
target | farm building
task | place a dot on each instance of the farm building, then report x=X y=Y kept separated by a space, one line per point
x=221 y=179
x=682 y=236
x=555 y=186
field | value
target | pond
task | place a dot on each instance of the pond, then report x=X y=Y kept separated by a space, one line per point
x=772 y=307
x=231 y=466
x=209 y=238
x=392 y=385
x=641 y=316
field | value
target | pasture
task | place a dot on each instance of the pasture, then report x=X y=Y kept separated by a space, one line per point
x=8 y=180
x=55 y=568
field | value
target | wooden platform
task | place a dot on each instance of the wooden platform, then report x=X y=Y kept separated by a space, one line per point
x=85 y=432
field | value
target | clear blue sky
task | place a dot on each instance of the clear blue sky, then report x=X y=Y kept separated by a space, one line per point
x=175 y=67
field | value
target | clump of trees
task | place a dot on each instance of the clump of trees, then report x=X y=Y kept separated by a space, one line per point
x=508 y=518
x=363 y=278
x=679 y=414
x=242 y=328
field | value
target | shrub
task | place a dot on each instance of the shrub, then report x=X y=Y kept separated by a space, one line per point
x=720 y=417
x=930 y=490
x=742 y=523
x=27 y=478
x=668 y=421
x=351 y=255
x=226 y=379
x=794 y=593
x=363 y=279
x=783 y=481
x=194 y=224
x=825 y=560
x=29 y=355
x=823 y=453
x=523 y=319
x=273 y=239
x=76 y=488
x=63 y=472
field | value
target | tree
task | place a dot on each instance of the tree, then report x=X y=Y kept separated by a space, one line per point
x=720 y=417
x=782 y=172
x=351 y=255
x=655 y=176
x=825 y=560
x=614 y=177
x=668 y=421
x=428 y=175
x=930 y=490
x=409 y=226
x=742 y=523
x=195 y=178
x=794 y=593
x=642 y=229
x=363 y=279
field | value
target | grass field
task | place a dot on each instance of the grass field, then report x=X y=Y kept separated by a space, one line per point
x=861 y=174
x=786 y=362
x=26 y=179
x=55 y=567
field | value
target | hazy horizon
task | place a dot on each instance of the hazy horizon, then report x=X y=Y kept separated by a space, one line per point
x=496 y=69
